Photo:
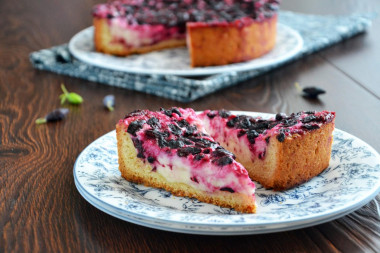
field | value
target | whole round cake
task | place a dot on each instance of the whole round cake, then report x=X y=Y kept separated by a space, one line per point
x=215 y=32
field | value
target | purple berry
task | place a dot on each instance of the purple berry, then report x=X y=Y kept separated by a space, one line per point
x=154 y=123
x=56 y=115
x=151 y=159
x=109 y=102
x=224 y=160
x=135 y=126
x=183 y=152
x=252 y=135
x=281 y=137
x=280 y=116
x=224 y=114
x=312 y=92
x=227 y=189
x=138 y=145
x=310 y=126
x=308 y=119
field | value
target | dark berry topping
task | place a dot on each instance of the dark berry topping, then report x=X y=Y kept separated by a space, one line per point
x=232 y=122
x=281 y=137
x=224 y=160
x=206 y=151
x=190 y=130
x=177 y=13
x=186 y=141
x=280 y=116
x=310 y=126
x=260 y=125
x=289 y=122
x=262 y=155
x=183 y=152
x=267 y=139
x=169 y=112
x=252 y=135
x=211 y=114
x=155 y=134
x=135 y=126
x=159 y=136
x=203 y=142
x=175 y=144
x=154 y=123
x=175 y=129
x=227 y=189
x=308 y=119
x=224 y=113
x=244 y=122
x=162 y=142
x=134 y=114
x=138 y=145
x=198 y=157
x=241 y=133
x=175 y=110
x=183 y=123
x=220 y=152
x=151 y=159
x=194 y=179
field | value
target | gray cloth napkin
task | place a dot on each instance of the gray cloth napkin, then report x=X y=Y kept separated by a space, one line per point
x=316 y=31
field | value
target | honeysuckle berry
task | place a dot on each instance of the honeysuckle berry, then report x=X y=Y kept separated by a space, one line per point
x=109 y=102
x=56 y=115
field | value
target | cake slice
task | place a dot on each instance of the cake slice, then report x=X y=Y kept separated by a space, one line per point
x=170 y=149
x=281 y=152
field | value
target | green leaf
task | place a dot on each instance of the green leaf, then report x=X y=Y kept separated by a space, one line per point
x=71 y=97
x=74 y=98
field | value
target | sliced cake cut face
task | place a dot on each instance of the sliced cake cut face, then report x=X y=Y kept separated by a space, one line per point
x=281 y=152
x=140 y=26
x=169 y=149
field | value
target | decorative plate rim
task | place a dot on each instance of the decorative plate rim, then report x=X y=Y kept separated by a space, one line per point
x=261 y=62
x=227 y=227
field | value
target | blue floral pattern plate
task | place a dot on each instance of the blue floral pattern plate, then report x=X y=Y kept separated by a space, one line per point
x=177 y=61
x=351 y=181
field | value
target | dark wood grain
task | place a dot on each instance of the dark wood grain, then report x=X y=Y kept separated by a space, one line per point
x=40 y=208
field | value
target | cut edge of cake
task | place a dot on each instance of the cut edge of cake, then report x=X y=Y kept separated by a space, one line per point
x=106 y=43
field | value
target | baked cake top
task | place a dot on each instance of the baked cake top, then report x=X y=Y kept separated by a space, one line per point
x=258 y=131
x=178 y=13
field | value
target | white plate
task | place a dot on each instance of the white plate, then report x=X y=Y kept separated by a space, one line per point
x=177 y=61
x=351 y=181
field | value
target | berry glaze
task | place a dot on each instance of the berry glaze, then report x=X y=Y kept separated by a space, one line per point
x=175 y=144
x=148 y=22
x=250 y=136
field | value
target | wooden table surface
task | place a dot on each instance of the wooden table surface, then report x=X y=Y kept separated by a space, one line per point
x=40 y=207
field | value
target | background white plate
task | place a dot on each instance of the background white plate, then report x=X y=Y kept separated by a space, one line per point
x=351 y=181
x=177 y=61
